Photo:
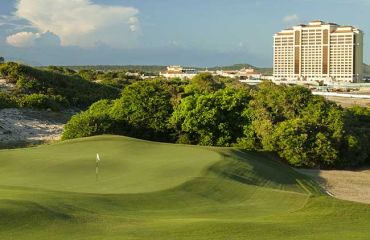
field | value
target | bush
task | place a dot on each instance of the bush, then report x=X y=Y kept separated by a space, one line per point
x=85 y=125
x=41 y=101
x=6 y=101
x=95 y=121
x=59 y=82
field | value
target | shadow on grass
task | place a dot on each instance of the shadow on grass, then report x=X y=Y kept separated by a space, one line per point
x=264 y=169
x=19 y=144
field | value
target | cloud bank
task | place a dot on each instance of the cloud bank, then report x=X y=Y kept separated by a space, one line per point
x=77 y=23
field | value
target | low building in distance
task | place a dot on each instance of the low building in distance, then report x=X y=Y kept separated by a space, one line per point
x=319 y=52
x=242 y=74
x=179 y=72
x=189 y=73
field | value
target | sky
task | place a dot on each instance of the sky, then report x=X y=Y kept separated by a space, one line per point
x=200 y=33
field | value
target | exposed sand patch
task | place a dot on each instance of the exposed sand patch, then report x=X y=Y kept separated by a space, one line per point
x=346 y=185
x=25 y=125
x=4 y=86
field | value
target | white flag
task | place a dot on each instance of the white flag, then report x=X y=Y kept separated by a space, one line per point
x=97 y=157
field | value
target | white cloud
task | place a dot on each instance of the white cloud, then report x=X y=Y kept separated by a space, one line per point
x=22 y=39
x=30 y=39
x=291 y=19
x=81 y=22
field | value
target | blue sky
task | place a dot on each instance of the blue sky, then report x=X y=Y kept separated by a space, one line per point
x=191 y=32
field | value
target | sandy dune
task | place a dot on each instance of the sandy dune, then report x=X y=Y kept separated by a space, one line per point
x=30 y=125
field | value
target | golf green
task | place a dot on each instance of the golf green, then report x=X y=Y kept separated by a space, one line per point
x=148 y=190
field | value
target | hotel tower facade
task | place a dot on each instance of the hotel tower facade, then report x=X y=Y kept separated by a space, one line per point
x=319 y=51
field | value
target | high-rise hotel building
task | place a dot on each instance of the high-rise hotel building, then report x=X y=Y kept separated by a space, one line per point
x=319 y=51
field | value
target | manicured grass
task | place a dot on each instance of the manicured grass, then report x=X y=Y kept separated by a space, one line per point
x=161 y=191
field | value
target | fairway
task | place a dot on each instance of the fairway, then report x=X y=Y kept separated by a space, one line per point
x=150 y=190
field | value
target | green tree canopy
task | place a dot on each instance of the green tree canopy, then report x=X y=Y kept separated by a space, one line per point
x=202 y=83
x=213 y=118
x=146 y=107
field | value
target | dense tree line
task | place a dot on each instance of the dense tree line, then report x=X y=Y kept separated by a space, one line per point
x=303 y=129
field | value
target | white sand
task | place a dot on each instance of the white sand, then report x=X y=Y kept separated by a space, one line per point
x=30 y=125
x=4 y=86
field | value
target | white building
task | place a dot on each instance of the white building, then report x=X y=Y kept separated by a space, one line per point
x=319 y=52
x=179 y=72
x=243 y=74
x=183 y=73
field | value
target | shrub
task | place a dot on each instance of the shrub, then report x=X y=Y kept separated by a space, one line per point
x=6 y=101
x=76 y=90
x=86 y=124
x=42 y=101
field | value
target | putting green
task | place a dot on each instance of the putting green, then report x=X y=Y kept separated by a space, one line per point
x=127 y=165
x=161 y=191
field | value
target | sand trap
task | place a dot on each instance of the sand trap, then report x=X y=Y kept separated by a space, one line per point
x=346 y=185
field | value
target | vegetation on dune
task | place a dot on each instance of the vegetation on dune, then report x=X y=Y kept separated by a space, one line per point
x=7 y=101
x=53 y=89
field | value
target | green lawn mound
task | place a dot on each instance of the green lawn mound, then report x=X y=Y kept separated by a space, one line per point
x=136 y=166
x=148 y=190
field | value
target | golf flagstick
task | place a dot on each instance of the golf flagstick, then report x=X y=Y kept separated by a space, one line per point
x=97 y=167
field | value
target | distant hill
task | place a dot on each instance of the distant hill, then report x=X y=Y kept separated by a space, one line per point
x=264 y=71
x=134 y=68
x=160 y=68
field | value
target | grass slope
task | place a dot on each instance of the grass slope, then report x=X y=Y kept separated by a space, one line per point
x=161 y=191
